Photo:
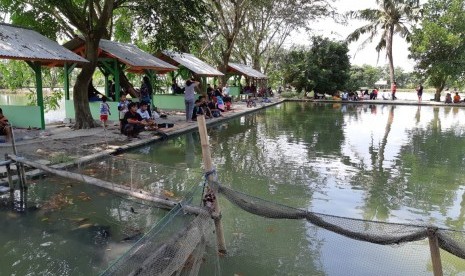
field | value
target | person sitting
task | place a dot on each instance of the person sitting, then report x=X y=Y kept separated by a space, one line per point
x=250 y=102
x=92 y=93
x=456 y=97
x=145 y=115
x=133 y=123
x=201 y=108
x=214 y=107
x=5 y=128
x=448 y=98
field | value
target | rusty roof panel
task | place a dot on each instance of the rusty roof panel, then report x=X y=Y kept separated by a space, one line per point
x=192 y=63
x=26 y=44
x=247 y=70
x=134 y=57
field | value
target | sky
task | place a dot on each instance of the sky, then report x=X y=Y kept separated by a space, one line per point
x=367 y=55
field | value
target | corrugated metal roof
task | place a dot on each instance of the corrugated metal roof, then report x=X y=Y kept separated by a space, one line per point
x=135 y=57
x=26 y=44
x=191 y=62
x=246 y=70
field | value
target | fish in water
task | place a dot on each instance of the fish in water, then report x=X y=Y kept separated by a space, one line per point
x=134 y=236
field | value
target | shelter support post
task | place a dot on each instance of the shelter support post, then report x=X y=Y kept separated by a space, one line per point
x=435 y=253
x=40 y=96
x=107 y=88
x=208 y=167
x=68 y=69
x=153 y=80
x=110 y=66
x=204 y=85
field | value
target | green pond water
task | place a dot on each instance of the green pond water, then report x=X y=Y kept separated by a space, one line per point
x=402 y=164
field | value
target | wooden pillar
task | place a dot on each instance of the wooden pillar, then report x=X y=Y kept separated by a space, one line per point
x=208 y=166
x=435 y=253
x=117 y=81
x=8 y=174
x=36 y=66
x=68 y=69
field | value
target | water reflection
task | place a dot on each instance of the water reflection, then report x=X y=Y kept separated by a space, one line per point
x=388 y=163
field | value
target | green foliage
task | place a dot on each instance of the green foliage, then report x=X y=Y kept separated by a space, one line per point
x=323 y=68
x=175 y=24
x=438 y=45
x=364 y=76
x=390 y=18
x=51 y=102
x=328 y=65
x=15 y=75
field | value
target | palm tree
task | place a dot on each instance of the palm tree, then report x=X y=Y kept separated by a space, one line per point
x=392 y=17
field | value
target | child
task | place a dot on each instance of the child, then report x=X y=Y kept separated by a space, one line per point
x=122 y=108
x=104 y=111
x=250 y=102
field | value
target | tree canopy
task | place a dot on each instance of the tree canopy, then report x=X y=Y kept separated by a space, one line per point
x=438 y=44
x=392 y=17
x=324 y=67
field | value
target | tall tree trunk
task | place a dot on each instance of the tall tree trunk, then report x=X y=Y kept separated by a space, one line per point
x=80 y=92
x=225 y=57
x=389 y=41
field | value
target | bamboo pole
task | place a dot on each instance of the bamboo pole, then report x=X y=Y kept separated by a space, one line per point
x=208 y=166
x=108 y=185
x=19 y=167
x=8 y=173
x=434 y=249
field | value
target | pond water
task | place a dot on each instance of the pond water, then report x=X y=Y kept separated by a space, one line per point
x=401 y=164
x=385 y=163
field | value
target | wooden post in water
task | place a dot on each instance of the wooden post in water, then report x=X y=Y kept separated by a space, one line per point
x=434 y=249
x=8 y=174
x=19 y=166
x=208 y=166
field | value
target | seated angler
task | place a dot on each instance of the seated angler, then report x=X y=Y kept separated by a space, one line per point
x=133 y=123
x=144 y=113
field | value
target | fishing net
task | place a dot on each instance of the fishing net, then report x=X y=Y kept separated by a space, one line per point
x=177 y=245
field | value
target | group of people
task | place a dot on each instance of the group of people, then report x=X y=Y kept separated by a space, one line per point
x=135 y=117
x=216 y=101
x=455 y=99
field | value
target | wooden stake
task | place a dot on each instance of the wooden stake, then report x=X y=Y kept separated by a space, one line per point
x=19 y=167
x=8 y=174
x=435 y=254
x=208 y=166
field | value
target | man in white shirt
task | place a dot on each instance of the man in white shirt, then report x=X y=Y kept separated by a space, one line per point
x=144 y=113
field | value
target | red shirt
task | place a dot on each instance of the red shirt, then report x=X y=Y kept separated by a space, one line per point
x=394 y=88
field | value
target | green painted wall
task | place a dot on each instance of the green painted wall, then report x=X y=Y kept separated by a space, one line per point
x=170 y=101
x=94 y=109
x=234 y=90
x=23 y=116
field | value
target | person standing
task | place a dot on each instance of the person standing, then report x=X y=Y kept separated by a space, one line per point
x=146 y=92
x=419 y=92
x=189 y=98
x=394 y=90
x=104 y=111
